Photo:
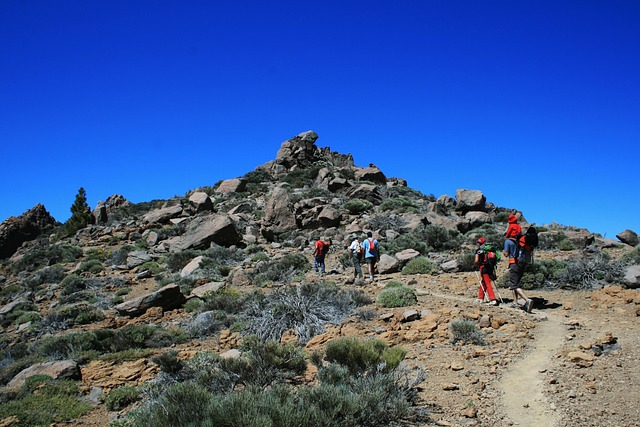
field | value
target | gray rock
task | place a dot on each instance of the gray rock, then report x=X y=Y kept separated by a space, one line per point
x=632 y=276
x=191 y=267
x=200 y=291
x=100 y=213
x=236 y=185
x=477 y=219
x=14 y=231
x=410 y=315
x=278 y=214
x=372 y=174
x=199 y=234
x=407 y=255
x=450 y=266
x=136 y=258
x=388 y=264
x=168 y=298
x=201 y=201
x=470 y=200
x=64 y=369
x=629 y=237
x=162 y=216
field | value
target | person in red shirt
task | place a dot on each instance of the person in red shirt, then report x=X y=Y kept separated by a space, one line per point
x=485 y=273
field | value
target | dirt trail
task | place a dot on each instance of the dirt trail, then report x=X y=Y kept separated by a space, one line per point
x=522 y=386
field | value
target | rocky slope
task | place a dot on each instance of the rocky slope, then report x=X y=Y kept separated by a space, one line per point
x=568 y=363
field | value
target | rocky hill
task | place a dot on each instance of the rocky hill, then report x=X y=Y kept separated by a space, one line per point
x=156 y=296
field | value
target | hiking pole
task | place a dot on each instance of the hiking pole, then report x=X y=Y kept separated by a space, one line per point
x=497 y=290
x=484 y=291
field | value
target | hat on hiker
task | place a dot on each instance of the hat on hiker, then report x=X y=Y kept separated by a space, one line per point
x=481 y=241
x=512 y=218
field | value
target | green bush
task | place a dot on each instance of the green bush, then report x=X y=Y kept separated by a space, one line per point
x=397 y=296
x=300 y=177
x=399 y=204
x=42 y=401
x=80 y=213
x=362 y=357
x=465 y=261
x=121 y=397
x=420 y=265
x=632 y=257
x=425 y=239
x=282 y=270
x=93 y=266
x=358 y=206
x=466 y=331
x=44 y=254
x=72 y=284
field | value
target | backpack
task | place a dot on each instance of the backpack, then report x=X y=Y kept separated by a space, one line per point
x=526 y=244
x=531 y=237
x=372 y=247
x=325 y=247
x=491 y=258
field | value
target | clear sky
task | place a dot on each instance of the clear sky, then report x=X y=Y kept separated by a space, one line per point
x=535 y=103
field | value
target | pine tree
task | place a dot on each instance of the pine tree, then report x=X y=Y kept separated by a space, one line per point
x=80 y=213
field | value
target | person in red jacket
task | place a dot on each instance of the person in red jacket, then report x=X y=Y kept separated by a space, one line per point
x=516 y=264
x=485 y=273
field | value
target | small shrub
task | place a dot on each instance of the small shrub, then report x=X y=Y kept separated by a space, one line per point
x=72 y=283
x=93 y=266
x=305 y=309
x=362 y=357
x=357 y=206
x=420 y=265
x=121 y=397
x=565 y=245
x=465 y=261
x=590 y=271
x=465 y=331
x=260 y=256
x=282 y=270
x=632 y=257
x=168 y=362
x=43 y=401
x=397 y=296
x=399 y=204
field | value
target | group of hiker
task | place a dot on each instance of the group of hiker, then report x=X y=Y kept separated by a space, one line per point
x=366 y=251
x=518 y=250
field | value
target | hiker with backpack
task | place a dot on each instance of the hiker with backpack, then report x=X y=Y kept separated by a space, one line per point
x=371 y=253
x=321 y=248
x=517 y=262
x=356 y=251
x=485 y=262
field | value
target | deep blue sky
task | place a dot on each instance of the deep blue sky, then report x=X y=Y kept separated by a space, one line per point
x=536 y=103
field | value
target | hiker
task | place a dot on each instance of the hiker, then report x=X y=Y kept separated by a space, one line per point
x=371 y=253
x=356 y=255
x=516 y=263
x=321 y=248
x=486 y=269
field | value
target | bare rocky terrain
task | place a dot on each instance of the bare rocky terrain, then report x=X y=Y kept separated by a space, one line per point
x=571 y=362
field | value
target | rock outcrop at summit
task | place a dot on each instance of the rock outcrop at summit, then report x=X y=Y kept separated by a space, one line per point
x=14 y=231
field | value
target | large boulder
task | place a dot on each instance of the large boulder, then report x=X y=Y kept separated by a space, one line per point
x=470 y=200
x=388 y=264
x=163 y=215
x=629 y=237
x=632 y=277
x=100 y=213
x=371 y=174
x=368 y=192
x=201 y=201
x=299 y=151
x=14 y=231
x=219 y=229
x=279 y=214
x=62 y=369
x=235 y=185
x=168 y=298
x=477 y=219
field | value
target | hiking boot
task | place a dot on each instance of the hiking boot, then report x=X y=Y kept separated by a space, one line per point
x=514 y=305
x=492 y=302
x=528 y=305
